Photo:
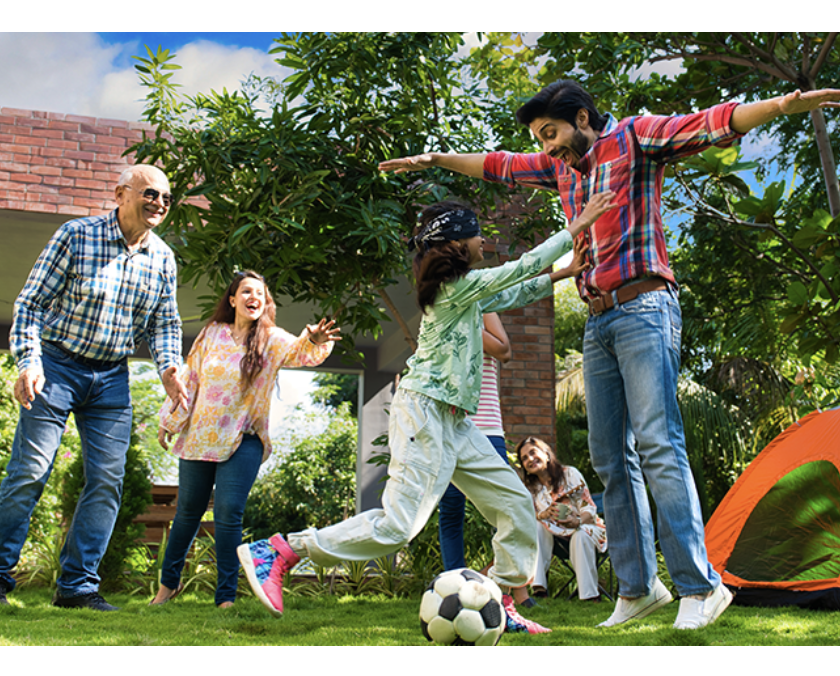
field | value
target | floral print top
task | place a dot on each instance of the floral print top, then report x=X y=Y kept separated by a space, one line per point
x=447 y=365
x=578 y=498
x=220 y=407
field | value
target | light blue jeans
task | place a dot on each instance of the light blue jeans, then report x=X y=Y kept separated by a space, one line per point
x=631 y=361
x=100 y=400
x=233 y=480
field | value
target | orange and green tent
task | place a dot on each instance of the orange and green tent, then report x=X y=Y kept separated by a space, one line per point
x=775 y=537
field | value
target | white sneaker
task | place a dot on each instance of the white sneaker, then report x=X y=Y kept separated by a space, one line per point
x=695 y=613
x=633 y=609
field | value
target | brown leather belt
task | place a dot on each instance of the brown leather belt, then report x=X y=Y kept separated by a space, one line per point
x=626 y=293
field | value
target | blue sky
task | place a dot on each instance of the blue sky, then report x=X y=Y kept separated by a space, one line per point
x=93 y=74
x=135 y=43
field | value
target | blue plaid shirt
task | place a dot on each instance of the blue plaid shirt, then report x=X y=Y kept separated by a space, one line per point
x=91 y=295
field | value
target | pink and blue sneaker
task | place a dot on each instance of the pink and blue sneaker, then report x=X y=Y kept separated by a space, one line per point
x=265 y=563
x=516 y=624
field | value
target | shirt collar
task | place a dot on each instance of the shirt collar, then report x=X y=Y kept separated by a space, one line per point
x=585 y=161
x=610 y=126
x=116 y=233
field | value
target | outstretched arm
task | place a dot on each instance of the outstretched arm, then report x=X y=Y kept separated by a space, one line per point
x=471 y=164
x=748 y=116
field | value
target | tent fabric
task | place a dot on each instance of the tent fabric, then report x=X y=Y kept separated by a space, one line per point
x=824 y=599
x=778 y=527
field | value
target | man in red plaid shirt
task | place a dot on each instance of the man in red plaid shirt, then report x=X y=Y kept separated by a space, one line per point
x=632 y=341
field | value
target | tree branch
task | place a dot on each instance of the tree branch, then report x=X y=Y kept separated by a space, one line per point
x=398 y=317
x=822 y=56
x=704 y=208
x=789 y=74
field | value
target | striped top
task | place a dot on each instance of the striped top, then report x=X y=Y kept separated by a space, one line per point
x=488 y=418
x=628 y=158
x=91 y=295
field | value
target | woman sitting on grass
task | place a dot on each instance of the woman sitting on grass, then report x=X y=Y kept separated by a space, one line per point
x=432 y=441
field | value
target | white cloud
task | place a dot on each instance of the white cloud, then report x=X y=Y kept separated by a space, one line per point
x=55 y=72
x=78 y=73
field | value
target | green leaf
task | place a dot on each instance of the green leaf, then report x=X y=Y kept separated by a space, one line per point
x=797 y=293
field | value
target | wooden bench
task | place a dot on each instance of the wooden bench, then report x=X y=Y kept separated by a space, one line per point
x=159 y=515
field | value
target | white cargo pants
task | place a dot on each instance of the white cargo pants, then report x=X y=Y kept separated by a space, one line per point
x=430 y=446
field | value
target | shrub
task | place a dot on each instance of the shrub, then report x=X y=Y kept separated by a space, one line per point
x=311 y=485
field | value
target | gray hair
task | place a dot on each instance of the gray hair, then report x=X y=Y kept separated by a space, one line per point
x=128 y=175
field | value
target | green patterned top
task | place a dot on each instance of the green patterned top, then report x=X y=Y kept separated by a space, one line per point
x=447 y=363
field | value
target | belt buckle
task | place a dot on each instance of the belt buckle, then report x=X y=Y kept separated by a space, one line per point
x=599 y=306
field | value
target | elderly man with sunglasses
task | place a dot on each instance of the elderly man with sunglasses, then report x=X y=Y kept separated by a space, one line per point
x=101 y=285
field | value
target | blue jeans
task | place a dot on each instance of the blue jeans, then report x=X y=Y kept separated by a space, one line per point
x=631 y=360
x=451 y=518
x=233 y=479
x=100 y=400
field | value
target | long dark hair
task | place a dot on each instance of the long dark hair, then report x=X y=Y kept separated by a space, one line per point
x=442 y=261
x=257 y=338
x=556 y=472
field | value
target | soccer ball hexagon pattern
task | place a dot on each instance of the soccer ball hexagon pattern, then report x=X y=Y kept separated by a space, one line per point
x=462 y=607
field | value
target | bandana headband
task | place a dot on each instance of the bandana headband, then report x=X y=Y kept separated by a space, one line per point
x=452 y=225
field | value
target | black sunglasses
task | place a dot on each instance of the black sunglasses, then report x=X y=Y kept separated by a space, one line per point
x=151 y=194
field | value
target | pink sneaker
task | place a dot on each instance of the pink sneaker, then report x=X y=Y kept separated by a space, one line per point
x=265 y=562
x=518 y=624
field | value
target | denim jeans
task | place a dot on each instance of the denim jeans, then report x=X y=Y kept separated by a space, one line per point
x=631 y=361
x=100 y=400
x=451 y=518
x=233 y=480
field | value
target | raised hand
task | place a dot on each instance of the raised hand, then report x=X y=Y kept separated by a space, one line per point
x=579 y=263
x=802 y=102
x=598 y=204
x=324 y=331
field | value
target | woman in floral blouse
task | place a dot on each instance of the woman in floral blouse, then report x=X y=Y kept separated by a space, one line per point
x=430 y=436
x=223 y=436
x=565 y=509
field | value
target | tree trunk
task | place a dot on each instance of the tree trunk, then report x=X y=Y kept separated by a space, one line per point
x=398 y=317
x=832 y=185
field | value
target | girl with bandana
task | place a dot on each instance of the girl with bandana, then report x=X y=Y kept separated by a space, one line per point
x=430 y=436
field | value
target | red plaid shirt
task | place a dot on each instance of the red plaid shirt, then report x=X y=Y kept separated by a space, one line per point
x=628 y=158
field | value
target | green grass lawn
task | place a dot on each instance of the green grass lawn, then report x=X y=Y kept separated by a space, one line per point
x=325 y=620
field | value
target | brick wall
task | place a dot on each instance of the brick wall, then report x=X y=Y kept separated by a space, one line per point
x=528 y=379
x=62 y=164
